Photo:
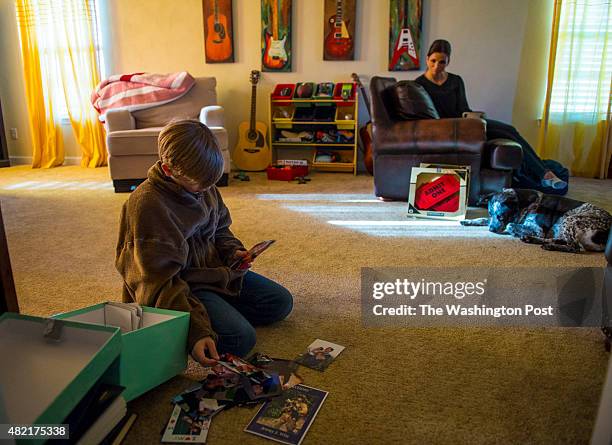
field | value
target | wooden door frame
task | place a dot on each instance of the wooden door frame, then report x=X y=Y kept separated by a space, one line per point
x=8 y=295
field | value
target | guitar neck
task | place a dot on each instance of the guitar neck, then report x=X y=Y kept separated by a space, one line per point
x=216 y=10
x=366 y=100
x=405 y=24
x=338 y=12
x=275 y=12
x=362 y=91
x=253 y=106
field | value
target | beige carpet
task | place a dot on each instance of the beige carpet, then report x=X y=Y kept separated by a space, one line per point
x=412 y=386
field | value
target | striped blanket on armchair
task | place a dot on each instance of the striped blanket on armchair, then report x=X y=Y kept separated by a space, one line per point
x=139 y=90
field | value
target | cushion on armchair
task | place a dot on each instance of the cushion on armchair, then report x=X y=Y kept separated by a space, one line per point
x=412 y=102
x=188 y=106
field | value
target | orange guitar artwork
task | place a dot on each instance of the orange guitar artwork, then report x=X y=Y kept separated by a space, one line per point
x=338 y=42
x=275 y=54
x=218 y=42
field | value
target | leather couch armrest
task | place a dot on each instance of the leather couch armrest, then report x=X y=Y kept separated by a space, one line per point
x=504 y=154
x=431 y=136
x=119 y=120
x=212 y=116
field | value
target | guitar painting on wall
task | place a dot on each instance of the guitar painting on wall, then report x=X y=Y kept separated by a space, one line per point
x=276 y=35
x=405 y=34
x=339 y=30
x=218 y=31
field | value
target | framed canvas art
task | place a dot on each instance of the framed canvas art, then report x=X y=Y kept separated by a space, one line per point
x=218 y=31
x=276 y=35
x=405 y=34
x=339 y=30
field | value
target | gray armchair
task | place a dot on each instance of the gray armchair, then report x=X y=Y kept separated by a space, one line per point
x=131 y=137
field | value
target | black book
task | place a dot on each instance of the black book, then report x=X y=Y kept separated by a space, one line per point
x=89 y=409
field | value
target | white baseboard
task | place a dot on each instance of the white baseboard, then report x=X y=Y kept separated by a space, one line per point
x=27 y=160
x=72 y=160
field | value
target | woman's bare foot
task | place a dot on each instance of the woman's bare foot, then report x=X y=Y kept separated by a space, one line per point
x=551 y=180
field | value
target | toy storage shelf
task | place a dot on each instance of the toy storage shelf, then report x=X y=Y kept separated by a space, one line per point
x=342 y=125
x=306 y=144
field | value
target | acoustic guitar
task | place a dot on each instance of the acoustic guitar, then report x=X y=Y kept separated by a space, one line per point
x=275 y=54
x=252 y=152
x=218 y=42
x=338 y=42
x=365 y=132
x=404 y=43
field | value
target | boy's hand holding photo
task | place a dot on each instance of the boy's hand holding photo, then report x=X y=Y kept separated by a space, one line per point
x=205 y=352
x=242 y=260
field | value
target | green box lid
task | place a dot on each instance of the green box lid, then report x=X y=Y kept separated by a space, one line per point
x=46 y=378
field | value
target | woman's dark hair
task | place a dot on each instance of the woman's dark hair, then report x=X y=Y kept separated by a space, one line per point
x=440 y=46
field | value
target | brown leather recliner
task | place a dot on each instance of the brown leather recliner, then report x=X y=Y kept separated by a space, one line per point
x=399 y=145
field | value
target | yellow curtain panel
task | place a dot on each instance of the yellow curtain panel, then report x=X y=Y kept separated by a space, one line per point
x=576 y=119
x=61 y=69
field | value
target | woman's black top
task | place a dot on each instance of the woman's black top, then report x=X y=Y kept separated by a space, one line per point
x=449 y=98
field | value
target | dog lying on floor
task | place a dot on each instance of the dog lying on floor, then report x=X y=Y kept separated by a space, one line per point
x=555 y=222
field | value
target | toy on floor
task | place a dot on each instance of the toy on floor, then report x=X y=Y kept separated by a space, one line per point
x=302 y=179
x=242 y=176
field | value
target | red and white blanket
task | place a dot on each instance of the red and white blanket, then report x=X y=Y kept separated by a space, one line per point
x=139 y=90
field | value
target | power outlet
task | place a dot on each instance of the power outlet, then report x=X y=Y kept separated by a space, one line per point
x=14 y=134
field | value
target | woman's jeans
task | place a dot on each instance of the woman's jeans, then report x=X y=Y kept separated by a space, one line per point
x=261 y=301
x=532 y=165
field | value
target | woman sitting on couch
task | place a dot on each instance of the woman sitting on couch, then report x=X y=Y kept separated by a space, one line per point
x=447 y=92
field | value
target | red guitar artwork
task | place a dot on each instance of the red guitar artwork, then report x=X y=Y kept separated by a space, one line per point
x=338 y=42
x=404 y=43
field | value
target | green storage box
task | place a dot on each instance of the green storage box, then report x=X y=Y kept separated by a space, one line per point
x=43 y=378
x=150 y=355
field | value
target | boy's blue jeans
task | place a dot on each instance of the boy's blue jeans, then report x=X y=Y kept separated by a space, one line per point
x=261 y=301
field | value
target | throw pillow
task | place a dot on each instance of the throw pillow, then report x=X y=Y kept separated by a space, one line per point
x=413 y=102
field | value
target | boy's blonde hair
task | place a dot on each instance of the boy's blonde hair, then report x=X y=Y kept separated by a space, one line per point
x=191 y=151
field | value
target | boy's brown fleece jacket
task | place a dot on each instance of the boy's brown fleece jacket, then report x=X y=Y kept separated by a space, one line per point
x=173 y=243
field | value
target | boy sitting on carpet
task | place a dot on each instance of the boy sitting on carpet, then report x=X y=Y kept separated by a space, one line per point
x=175 y=247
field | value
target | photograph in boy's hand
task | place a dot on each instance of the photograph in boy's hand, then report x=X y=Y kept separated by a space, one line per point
x=319 y=355
x=252 y=253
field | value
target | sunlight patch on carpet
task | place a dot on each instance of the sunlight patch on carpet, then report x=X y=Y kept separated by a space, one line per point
x=328 y=197
x=414 y=228
x=66 y=185
x=362 y=213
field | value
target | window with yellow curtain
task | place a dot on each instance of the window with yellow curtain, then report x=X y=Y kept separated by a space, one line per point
x=61 y=58
x=576 y=122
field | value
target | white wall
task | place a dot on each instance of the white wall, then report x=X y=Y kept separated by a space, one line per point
x=167 y=35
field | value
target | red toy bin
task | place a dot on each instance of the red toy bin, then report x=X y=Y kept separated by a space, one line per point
x=281 y=172
x=276 y=94
x=338 y=91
